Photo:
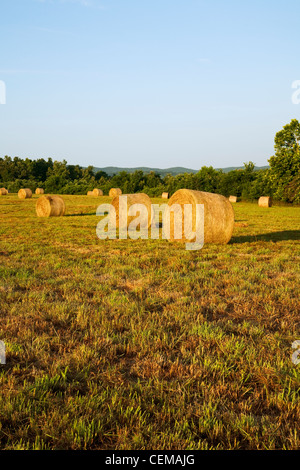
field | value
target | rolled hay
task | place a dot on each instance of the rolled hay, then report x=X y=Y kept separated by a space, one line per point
x=218 y=216
x=39 y=191
x=165 y=195
x=25 y=193
x=113 y=192
x=50 y=206
x=138 y=198
x=265 y=201
x=90 y=193
x=232 y=199
x=241 y=224
x=3 y=192
x=97 y=192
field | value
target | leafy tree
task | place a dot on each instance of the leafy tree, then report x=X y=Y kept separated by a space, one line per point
x=207 y=179
x=152 y=180
x=101 y=175
x=40 y=168
x=75 y=172
x=285 y=164
x=88 y=173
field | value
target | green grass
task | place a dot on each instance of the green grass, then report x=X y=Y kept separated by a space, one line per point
x=140 y=344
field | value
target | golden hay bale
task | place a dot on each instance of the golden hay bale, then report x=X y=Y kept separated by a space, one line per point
x=25 y=193
x=113 y=192
x=3 y=192
x=218 y=215
x=97 y=192
x=138 y=198
x=265 y=201
x=232 y=199
x=90 y=193
x=241 y=224
x=50 y=206
x=165 y=195
x=39 y=191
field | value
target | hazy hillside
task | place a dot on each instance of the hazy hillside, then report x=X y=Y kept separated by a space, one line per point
x=111 y=170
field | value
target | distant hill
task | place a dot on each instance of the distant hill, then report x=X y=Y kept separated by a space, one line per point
x=231 y=168
x=112 y=170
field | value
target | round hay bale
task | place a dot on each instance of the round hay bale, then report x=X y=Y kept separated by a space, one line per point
x=138 y=198
x=265 y=201
x=97 y=192
x=39 y=191
x=50 y=206
x=113 y=192
x=218 y=215
x=232 y=199
x=3 y=192
x=165 y=195
x=90 y=193
x=241 y=224
x=25 y=193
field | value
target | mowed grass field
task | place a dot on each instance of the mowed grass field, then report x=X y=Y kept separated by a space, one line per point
x=140 y=344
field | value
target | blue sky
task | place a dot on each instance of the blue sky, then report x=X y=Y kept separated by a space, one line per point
x=156 y=83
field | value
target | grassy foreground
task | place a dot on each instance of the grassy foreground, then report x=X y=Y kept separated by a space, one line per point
x=142 y=344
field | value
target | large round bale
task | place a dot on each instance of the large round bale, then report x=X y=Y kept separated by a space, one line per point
x=265 y=201
x=39 y=191
x=97 y=192
x=138 y=198
x=113 y=192
x=90 y=193
x=165 y=195
x=3 y=192
x=232 y=199
x=50 y=206
x=25 y=193
x=218 y=215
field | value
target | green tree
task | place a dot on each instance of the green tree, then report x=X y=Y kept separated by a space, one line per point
x=285 y=164
x=100 y=175
x=40 y=168
x=57 y=177
x=207 y=179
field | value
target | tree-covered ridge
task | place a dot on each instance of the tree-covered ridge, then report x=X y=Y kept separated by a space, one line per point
x=281 y=180
x=176 y=170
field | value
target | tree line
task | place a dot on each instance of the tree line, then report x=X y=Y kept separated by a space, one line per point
x=281 y=180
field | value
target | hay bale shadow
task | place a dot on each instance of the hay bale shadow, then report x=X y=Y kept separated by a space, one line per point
x=267 y=237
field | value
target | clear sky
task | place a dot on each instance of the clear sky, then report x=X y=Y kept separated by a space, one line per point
x=156 y=83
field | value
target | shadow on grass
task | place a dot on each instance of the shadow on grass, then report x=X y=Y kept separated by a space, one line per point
x=80 y=215
x=267 y=237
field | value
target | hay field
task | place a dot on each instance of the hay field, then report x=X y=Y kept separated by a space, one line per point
x=140 y=344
